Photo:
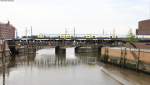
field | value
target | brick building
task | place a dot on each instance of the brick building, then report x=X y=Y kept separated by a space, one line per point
x=143 y=27
x=7 y=31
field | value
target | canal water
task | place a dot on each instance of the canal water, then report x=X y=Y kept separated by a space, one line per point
x=47 y=68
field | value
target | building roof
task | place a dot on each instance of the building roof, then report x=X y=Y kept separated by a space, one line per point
x=145 y=20
x=7 y=24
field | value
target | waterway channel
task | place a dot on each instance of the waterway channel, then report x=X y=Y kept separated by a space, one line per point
x=47 y=68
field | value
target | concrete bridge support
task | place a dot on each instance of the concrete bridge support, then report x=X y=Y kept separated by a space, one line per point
x=60 y=50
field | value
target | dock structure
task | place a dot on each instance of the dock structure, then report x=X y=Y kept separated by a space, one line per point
x=137 y=59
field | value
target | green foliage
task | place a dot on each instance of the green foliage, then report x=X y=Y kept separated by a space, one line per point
x=131 y=37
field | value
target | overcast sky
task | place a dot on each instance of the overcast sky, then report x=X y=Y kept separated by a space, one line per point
x=87 y=16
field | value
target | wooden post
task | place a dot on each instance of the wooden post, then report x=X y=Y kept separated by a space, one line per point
x=138 y=61
x=107 y=55
x=28 y=47
x=104 y=57
x=121 y=60
x=24 y=46
x=124 y=59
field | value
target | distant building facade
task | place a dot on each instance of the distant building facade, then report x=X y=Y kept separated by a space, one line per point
x=143 y=27
x=7 y=31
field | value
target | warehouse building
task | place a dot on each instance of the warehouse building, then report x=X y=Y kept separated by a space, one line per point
x=7 y=31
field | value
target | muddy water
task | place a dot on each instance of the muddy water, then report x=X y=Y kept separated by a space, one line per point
x=47 y=68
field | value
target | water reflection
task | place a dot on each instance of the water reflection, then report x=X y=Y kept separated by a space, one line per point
x=3 y=70
x=46 y=67
x=70 y=53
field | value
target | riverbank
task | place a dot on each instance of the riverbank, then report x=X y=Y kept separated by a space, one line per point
x=125 y=76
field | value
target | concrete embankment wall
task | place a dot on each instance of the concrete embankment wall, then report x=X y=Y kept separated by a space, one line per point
x=4 y=49
x=132 y=58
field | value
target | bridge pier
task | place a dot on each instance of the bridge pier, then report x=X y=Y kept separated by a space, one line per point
x=60 y=50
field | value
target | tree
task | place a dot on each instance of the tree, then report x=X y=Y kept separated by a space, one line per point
x=132 y=38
